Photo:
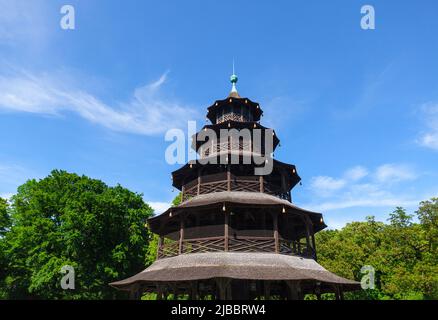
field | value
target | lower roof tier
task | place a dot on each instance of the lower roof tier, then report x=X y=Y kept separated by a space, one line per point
x=248 y=266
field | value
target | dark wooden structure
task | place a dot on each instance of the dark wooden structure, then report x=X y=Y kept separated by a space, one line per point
x=236 y=235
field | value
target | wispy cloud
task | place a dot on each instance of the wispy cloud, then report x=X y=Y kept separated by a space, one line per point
x=159 y=207
x=359 y=187
x=147 y=112
x=325 y=186
x=392 y=173
x=429 y=138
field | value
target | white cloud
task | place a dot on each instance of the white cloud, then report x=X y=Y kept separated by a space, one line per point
x=378 y=190
x=390 y=173
x=429 y=139
x=325 y=186
x=356 y=173
x=159 y=207
x=147 y=112
x=370 y=202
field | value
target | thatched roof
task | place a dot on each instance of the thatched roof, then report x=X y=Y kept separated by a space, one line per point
x=234 y=265
x=237 y=198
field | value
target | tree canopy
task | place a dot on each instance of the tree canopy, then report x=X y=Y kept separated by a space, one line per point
x=66 y=219
x=403 y=254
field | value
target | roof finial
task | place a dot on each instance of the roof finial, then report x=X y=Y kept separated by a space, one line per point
x=233 y=80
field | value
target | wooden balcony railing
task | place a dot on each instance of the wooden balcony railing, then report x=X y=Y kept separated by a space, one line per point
x=235 y=244
x=210 y=149
x=220 y=182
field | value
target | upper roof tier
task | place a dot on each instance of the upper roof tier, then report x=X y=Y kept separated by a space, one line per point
x=234 y=108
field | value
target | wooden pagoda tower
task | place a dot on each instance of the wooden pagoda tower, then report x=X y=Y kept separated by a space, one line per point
x=235 y=235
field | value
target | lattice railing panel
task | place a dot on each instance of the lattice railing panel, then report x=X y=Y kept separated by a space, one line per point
x=203 y=245
x=251 y=245
x=168 y=249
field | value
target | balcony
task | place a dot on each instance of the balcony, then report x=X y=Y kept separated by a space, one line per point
x=228 y=182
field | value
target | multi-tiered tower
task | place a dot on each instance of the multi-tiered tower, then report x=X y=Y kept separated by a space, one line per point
x=236 y=234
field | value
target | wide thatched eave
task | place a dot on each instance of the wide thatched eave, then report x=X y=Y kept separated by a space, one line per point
x=239 y=199
x=235 y=265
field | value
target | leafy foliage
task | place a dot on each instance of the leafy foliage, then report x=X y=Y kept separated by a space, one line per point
x=403 y=253
x=66 y=219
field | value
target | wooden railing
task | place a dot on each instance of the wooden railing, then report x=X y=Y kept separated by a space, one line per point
x=237 y=183
x=235 y=244
x=211 y=149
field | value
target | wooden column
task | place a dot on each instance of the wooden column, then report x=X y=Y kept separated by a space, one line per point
x=199 y=183
x=262 y=186
x=181 y=235
x=182 y=193
x=293 y=290
x=222 y=284
x=314 y=246
x=283 y=182
x=226 y=230
x=228 y=178
x=160 y=246
x=306 y=224
x=276 y=237
x=312 y=235
x=267 y=290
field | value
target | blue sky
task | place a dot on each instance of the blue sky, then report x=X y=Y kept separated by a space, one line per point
x=356 y=110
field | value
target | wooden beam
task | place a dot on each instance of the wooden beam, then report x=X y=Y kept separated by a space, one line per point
x=226 y=230
x=276 y=237
x=228 y=178
x=262 y=186
x=181 y=235
x=267 y=290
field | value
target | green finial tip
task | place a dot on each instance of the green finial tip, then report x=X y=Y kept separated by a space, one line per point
x=233 y=79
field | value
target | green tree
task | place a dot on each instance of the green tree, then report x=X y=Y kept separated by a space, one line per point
x=66 y=219
x=403 y=253
x=4 y=216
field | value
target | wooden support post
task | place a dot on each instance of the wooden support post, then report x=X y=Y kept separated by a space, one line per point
x=134 y=292
x=318 y=291
x=181 y=235
x=283 y=182
x=293 y=290
x=267 y=290
x=159 y=292
x=222 y=284
x=226 y=230
x=306 y=224
x=314 y=246
x=262 y=186
x=312 y=235
x=193 y=291
x=276 y=237
x=199 y=184
x=182 y=193
x=160 y=246
x=337 y=292
x=228 y=179
x=300 y=291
